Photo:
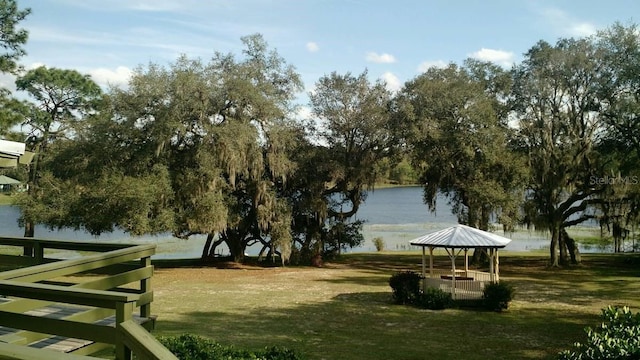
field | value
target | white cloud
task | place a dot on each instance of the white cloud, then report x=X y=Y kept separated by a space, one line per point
x=566 y=24
x=393 y=82
x=8 y=81
x=312 y=47
x=155 y=5
x=140 y=38
x=303 y=112
x=310 y=89
x=34 y=65
x=582 y=29
x=425 y=65
x=145 y=5
x=102 y=76
x=50 y=35
x=107 y=77
x=380 y=58
x=500 y=57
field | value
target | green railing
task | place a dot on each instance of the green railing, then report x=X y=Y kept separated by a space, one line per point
x=112 y=281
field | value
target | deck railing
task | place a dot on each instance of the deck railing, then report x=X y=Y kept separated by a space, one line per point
x=469 y=284
x=98 y=300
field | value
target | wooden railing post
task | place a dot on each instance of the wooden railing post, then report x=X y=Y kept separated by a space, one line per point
x=145 y=286
x=101 y=295
x=124 y=312
x=38 y=252
x=27 y=250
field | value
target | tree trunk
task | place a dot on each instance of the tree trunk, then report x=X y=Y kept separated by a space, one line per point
x=215 y=245
x=236 y=248
x=209 y=248
x=479 y=257
x=553 y=248
x=28 y=232
x=261 y=254
x=564 y=257
x=574 y=252
x=207 y=245
x=619 y=235
x=484 y=218
x=29 y=225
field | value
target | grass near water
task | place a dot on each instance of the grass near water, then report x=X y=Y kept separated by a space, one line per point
x=6 y=199
x=344 y=310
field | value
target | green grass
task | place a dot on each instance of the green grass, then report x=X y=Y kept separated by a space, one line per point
x=6 y=199
x=344 y=311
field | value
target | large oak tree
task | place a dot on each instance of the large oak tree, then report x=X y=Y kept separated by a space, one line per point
x=353 y=118
x=458 y=135
x=558 y=105
x=210 y=141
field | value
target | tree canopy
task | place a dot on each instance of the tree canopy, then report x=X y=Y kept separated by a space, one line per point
x=192 y=149
x=62 y=100
x=12 y=38
x=459 y=139
x=214 y=148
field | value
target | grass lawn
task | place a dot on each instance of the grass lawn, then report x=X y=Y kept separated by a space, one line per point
x=344 y=310
x=6 y=199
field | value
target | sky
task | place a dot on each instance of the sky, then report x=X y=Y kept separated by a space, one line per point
x=394 y=40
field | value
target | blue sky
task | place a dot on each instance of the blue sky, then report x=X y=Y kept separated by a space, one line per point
x=394 y=40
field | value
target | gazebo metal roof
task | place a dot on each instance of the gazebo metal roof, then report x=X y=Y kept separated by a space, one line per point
x=5 y=180
x=461 y=237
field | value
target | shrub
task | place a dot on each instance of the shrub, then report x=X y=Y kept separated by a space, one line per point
x=405 y=286
x=435 y=299
x=617 y=338
x=497 y=296
x=192 y=347
x=378 y=242
x=278 y=353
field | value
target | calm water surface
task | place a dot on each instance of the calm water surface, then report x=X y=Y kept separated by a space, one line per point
x=398 y=215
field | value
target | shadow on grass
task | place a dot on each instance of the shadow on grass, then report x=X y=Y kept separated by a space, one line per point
x=536 y=266
x=551 y=308
x=606 y=279
x=374 y=279
x=355 y=325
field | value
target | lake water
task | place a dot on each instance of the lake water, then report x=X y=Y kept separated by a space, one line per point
x=398 y=215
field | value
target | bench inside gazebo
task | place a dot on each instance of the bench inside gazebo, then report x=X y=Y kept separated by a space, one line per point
x=463 y=283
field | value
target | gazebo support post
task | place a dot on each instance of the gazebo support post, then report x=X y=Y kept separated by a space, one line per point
x=452 y=255
x=466 y=262
x=497 y=267
x=423 y=263
x=430 y=261
x=492 y=274
x=424 y=279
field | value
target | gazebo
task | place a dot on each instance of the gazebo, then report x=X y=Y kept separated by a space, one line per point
x=462 y=283
x=6 y=182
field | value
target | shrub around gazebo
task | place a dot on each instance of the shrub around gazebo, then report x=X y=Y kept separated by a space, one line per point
x=406 y=290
